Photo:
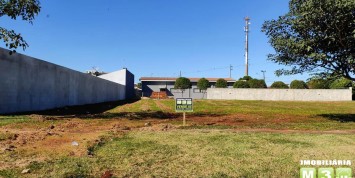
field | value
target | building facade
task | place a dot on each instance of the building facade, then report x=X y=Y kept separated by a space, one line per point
x=151 y=85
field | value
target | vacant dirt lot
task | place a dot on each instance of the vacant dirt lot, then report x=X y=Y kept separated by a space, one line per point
x=78 y=131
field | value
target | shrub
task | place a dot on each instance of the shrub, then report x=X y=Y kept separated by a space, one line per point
x=203 y=84
x=221 y=83
x=255 y=83
x=298 y=84
x=247 y=78
x=241 y=84
x=182 y=83
x=318 y=84
x=341 y=83
x=278 y=84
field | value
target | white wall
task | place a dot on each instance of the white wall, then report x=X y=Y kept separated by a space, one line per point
x=29 y=84
x=117 y=77
x=280 y=94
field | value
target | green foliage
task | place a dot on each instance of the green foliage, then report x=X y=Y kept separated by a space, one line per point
x=221 y=83
x=298 y=84
x=24 y=9
x=182 y=83
x=278 y=84
x=241 y=84
x=203 y=84
x=313 y=35
x=341 y=83
x=318 y=84
x=139 y=85
x=247 y=78
x=255 y=83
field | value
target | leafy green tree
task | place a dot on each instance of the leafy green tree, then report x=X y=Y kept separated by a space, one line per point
x=318 y=83
x=182 y=83
x=298 y=84
x=24 y=9
x=279 y=84
x=315 y=36
x=247 y=78
x=341 y=83
x=221 y=83
x=255 y=83
x=203 y=84
x=241 y=84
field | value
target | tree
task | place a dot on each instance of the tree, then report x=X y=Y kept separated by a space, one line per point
x=247 y=78
x=241 y=84
x=279 y=84
x=315 y=36
x=255 y=83
x=318 y=83
x=298 y=84
x=341 y=84
x=24 y=9
x=221 y=83
x=203 y=84
x=182 y=83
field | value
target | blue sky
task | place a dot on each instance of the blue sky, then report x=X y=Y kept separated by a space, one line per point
x=158 y=38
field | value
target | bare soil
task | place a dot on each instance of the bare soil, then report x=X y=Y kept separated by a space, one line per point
x=39 y=142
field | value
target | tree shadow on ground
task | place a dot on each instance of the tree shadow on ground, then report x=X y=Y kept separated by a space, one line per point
x=75 y=111
x=340 y=117
x=146 y=115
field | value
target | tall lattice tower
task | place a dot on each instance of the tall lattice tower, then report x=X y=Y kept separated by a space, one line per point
x=246 y=30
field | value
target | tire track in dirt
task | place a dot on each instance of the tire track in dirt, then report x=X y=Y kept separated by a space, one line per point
x=162 y=106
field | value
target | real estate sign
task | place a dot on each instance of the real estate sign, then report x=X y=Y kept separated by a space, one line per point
x=183 y=105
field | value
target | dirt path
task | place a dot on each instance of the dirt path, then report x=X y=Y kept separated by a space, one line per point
x=162 y=106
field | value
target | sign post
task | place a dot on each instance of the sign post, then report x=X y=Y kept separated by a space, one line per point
x=183 y=105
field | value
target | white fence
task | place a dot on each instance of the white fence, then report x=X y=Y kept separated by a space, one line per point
x=280 y=94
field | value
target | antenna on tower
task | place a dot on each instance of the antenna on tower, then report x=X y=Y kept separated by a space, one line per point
x=246 y=30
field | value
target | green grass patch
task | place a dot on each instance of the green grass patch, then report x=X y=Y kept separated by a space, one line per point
x=194 y=153
x=252 y=107
x=6 y=120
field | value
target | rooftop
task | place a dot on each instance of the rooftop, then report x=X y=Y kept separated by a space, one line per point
x=192 y=79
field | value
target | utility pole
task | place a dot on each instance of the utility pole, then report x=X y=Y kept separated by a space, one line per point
x=263 y=71
x=230 y=70
x=246 y=30
x=180 y=73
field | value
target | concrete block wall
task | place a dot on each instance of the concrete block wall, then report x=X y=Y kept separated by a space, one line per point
x=280 y=94
x=29 y=84
x=123 y=77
